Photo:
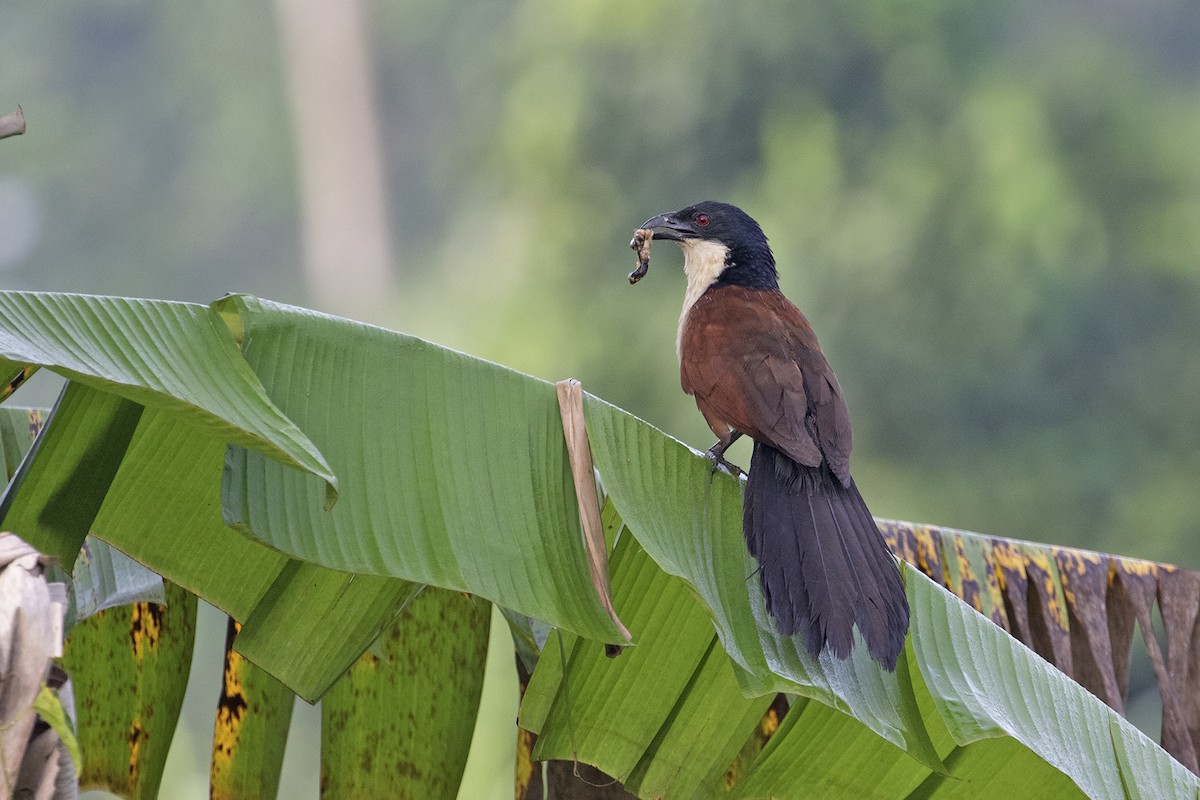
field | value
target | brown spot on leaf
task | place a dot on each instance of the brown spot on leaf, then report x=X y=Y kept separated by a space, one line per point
x=136 y=736
x=145 y=627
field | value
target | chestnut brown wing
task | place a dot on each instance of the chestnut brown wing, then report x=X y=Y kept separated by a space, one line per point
x=750 y=358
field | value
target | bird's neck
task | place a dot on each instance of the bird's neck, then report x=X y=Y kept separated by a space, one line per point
x=703 y=262
x=751 y=266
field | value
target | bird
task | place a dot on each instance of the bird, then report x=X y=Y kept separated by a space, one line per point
x=752 y=362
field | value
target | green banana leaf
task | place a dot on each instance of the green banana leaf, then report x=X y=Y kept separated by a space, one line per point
x=57 y=490
x=453 y=472
x=176 y=356
x=18 y=426
x=161 y=505
x=250 y=733
x=128 y=697
x=104 y=577
x=400 y=723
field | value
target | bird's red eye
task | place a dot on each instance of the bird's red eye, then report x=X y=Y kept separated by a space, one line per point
x=702 y=220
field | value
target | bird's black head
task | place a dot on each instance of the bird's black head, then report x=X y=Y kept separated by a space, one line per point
x=706 y=230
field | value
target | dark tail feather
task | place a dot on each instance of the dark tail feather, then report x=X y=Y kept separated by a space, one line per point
x=824 y=566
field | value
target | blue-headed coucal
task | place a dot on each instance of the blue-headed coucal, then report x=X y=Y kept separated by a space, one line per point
x=752 y=362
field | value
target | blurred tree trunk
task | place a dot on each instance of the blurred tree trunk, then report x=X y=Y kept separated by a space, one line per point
x=339 y=154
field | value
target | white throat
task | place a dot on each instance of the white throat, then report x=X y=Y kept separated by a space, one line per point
x=703 y=263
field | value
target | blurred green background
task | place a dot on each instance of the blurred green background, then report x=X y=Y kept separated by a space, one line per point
x=989 y=211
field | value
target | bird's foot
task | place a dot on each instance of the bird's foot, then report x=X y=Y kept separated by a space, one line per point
x=718 y=460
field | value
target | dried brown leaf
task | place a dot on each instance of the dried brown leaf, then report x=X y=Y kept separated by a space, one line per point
x=570 y=406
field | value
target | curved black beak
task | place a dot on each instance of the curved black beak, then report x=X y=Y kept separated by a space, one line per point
x=666 y=226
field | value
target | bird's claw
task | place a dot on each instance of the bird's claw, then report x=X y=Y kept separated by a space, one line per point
x=719 y=462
